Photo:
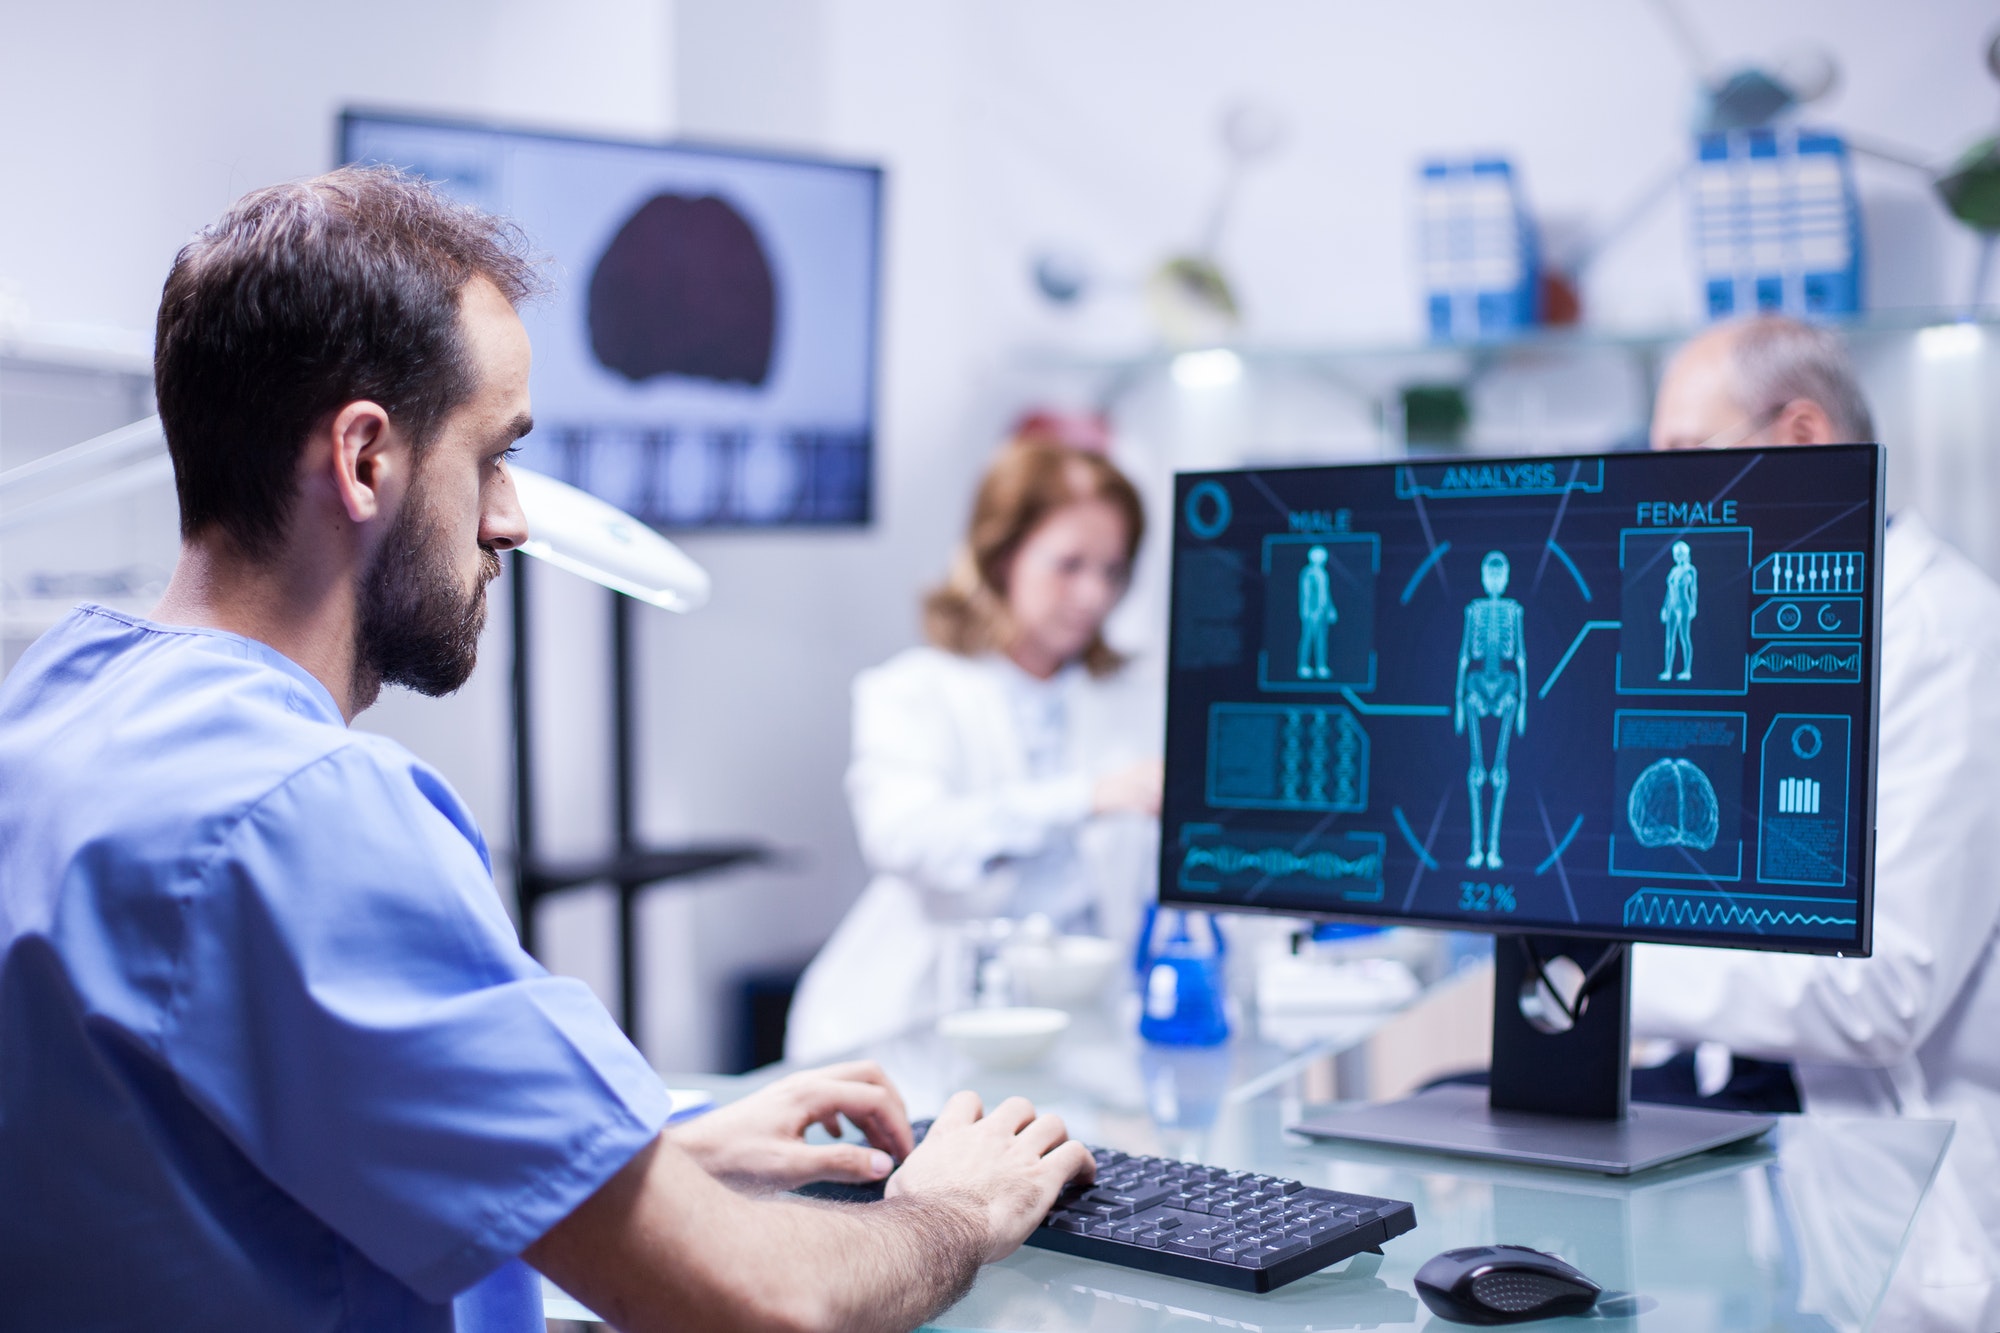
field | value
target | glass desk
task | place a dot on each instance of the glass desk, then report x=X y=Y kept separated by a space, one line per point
x=1811 y=1223
x=1799 y=1231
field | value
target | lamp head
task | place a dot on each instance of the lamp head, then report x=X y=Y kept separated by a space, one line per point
x=578 y=532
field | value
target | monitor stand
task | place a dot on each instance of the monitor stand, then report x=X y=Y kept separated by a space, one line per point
x=1560 y=1083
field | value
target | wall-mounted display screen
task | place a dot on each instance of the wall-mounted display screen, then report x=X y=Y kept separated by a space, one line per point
x=1630 y=695
x=707 y=357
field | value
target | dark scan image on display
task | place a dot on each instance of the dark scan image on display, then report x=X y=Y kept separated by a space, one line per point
x=685 y=288
x=706 y=356
x=1625 y=695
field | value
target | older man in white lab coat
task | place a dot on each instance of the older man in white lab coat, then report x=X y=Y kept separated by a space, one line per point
x=1911 y=1030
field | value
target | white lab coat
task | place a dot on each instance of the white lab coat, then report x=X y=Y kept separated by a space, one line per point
x=971 y=786
x=1914 y=1029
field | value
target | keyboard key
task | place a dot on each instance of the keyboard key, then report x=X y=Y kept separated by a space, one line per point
x=1281 y=1248
x=1143 y=1197
x=1152 y=1240
x=1167 y=1223
x=1200 y=1247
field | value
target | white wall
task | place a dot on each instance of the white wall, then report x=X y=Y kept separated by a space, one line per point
x=1011 y=124
x=126 y=125
x=1005 y=125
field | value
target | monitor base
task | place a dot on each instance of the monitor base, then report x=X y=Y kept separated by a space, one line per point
x=1458 y=1120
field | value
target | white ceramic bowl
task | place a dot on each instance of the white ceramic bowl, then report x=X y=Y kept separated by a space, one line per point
x=1003 y=1038
x=1067 y=972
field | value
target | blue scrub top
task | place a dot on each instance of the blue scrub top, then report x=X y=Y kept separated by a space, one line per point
x=271 y=1055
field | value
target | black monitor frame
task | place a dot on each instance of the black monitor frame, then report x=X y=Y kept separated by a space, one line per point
x=1558 y=1089
x=1858 y=946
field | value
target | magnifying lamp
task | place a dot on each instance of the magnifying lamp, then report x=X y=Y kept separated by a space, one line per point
x=566 y=527
x=576 y=531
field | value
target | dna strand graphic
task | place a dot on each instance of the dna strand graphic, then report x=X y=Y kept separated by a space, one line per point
x=1276 y=862
x=1807 y=661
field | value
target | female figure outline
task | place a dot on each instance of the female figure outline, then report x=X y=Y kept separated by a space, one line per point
x=1677 y=612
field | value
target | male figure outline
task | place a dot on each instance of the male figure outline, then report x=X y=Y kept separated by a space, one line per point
x=1492 y=682
x=1317 y=616
x=1677 y=612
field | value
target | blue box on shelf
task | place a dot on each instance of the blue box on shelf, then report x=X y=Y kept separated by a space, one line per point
x=1480 y=253
x=1777 y=223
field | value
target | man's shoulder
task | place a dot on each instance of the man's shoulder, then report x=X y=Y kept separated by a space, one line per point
x=165 y=735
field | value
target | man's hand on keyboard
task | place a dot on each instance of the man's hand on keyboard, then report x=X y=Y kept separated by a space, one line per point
x=758 y=1143
x=1010 y=1164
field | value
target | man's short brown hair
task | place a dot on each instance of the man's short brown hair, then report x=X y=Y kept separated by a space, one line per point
x=304 y=297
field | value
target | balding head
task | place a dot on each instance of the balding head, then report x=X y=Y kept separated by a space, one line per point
x=1763 y=381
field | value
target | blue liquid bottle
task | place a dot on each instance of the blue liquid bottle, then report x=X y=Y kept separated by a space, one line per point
x=1180 y=980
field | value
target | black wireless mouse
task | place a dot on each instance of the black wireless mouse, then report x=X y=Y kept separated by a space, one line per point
x=1503 y=1284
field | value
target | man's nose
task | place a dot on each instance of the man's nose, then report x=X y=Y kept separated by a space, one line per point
x=503 y=526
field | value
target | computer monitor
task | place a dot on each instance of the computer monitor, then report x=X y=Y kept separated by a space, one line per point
x=707 y=358
x=1582 y=700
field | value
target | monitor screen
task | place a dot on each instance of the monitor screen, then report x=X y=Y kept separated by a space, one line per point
x=707 y=356
x=1627 y=696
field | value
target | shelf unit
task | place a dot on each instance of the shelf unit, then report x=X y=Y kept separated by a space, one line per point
x=1378 y=372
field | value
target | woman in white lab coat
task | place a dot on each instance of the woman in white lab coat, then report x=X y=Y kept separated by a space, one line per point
x=1011 y=767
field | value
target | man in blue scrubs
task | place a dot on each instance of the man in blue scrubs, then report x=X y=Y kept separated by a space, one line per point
x=270 y=1053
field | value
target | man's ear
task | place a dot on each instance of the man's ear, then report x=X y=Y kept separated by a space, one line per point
x=369 y=460
x=1803 y=421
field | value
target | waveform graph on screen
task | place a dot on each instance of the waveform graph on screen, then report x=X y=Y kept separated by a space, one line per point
x=1343 y=867
x=1715 y=911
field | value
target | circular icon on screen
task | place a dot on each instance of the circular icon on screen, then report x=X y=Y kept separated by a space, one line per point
x=1806 y=741
x=1789 y=616
x=1208 y=511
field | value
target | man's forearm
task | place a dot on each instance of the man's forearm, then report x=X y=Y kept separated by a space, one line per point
x=892 y=1265
x=664 y=1245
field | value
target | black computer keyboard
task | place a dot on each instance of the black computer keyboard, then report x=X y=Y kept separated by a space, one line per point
x=1227 y=1228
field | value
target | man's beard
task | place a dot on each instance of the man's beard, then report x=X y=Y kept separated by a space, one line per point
x=419 y=628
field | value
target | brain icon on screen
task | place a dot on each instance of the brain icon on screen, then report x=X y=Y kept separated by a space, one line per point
x=1673 y=805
